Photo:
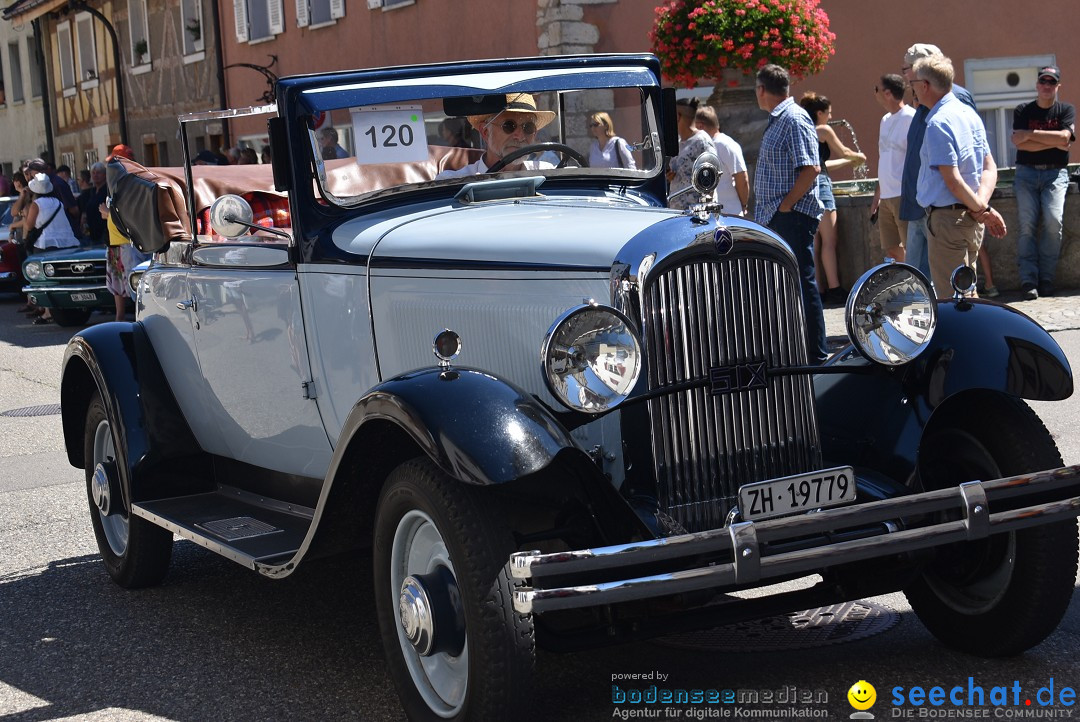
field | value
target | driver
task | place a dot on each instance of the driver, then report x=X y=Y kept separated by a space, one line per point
x=504 y=132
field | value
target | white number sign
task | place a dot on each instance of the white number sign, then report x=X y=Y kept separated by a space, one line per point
x=389 y=134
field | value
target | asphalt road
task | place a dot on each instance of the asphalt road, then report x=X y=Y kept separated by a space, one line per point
x=217 y=642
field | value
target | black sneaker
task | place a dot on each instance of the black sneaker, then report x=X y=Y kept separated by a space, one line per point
x=835 y=297
x=1029 y=290
x=1046 y=289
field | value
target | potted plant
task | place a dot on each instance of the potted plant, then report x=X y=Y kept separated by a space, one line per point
x=142 y=48
x=194 y=28
x=722 y=39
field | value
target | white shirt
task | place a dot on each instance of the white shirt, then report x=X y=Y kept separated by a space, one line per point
x=611 y=155
x=481 y=167
x=892 y=149
x=57 y=234
x=731 y=158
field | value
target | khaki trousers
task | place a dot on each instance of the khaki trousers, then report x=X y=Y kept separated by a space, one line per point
x=893 y=230
x=954 y=240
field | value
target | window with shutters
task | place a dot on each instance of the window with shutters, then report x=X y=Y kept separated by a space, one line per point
x=84 y=35
x=15 y=92
x=35 y=66
x=191 y=16
x=258 y=20
x=67 y=58
x=138 y=33
x=318 y=13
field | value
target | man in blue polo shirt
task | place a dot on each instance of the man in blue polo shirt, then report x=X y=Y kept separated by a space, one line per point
x=785 y=184
x=910 y=210
x=957 y=175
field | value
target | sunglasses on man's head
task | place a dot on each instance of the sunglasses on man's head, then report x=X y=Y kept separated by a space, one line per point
x=510 y=126
x=1047 y=81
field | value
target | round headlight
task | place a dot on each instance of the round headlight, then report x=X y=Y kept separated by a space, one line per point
x=49 y=270
x=133 y=282
x=591 y=358
x=891 y=314
x=32 y=271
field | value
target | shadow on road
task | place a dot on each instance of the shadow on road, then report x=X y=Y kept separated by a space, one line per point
x=215 y=641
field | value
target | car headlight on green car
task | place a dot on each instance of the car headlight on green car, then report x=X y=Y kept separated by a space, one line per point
x=891 y=314
x=32 y=271
x=591 y=358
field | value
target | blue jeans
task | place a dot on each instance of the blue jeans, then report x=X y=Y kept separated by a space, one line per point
x=798 y=230
x=918 y=254
x=1039 y=193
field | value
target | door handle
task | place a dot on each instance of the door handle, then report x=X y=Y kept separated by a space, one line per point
x=191 y=304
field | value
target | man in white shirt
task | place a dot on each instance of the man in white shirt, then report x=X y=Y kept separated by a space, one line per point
x=511 y=129
x=892 y=149
x=734 y=188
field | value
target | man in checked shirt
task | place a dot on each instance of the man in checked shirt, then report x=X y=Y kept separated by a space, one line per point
x=785 y=184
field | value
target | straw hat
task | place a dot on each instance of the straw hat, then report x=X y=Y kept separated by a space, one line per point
x=516 y=103
x=40 y=184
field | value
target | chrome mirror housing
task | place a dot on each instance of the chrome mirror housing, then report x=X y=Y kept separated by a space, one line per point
x=231 y=216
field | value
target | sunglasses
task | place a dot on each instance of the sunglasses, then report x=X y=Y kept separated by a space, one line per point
x=510 y=126
x=1047 y=81
x=595 y=124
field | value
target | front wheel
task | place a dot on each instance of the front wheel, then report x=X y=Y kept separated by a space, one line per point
x=455 y=647
x=1002 y=595
x=136 y=553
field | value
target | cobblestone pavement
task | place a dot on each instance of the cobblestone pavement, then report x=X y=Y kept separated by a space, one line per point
x=1060 y=312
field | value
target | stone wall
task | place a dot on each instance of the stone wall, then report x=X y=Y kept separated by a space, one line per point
x=859 y=247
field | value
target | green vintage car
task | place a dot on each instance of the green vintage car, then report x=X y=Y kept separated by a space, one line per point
x=70 y=282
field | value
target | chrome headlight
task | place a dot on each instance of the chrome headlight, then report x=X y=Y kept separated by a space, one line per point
x=133 y=282
x=891 y=314
x=49 y=269
x=591 y=358
x=32 y=271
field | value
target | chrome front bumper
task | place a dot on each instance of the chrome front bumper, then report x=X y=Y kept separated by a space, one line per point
x=751 y=562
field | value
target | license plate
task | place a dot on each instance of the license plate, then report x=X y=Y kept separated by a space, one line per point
x=776 y=497
x=84 y=297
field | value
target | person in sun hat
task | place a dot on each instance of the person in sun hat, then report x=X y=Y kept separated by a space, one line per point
x=62 y=190
x=502 y=133
x=1043 y=131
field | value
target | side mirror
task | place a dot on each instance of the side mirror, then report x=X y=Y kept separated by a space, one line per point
x=231 y=216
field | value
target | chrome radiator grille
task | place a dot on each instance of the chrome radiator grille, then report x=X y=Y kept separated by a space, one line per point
x=714 y=317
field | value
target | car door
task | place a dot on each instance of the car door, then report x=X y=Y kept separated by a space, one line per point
x=248 y=333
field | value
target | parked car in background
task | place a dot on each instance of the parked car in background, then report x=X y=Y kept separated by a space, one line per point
x=345 y=362
x=11 y=278
x=70 y=282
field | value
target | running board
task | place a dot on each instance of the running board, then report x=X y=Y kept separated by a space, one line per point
x=246 y=528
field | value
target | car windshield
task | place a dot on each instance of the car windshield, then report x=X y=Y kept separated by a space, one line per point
x=412 y=138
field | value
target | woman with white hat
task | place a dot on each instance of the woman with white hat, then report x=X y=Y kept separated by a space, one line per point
x=47 y=213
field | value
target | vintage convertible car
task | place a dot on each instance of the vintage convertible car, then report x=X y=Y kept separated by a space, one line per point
x=555 y=412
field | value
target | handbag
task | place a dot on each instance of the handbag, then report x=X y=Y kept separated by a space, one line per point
x=33 y=234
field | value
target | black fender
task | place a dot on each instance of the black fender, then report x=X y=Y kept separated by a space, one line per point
x=150 y=433
x=875 y=416
x=478 y=428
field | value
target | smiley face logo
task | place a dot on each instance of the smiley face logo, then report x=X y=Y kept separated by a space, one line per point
x=862 y=695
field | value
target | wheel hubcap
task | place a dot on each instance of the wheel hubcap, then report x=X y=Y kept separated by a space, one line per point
x=415 y=610
x=431 y=627
x=106 y=490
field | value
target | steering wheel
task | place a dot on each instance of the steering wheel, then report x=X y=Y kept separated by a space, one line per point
x=540 y=148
